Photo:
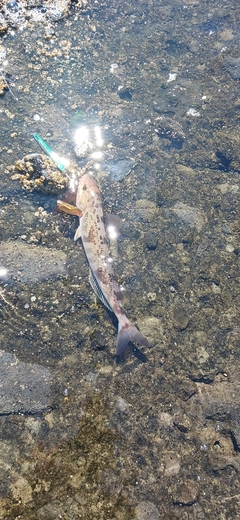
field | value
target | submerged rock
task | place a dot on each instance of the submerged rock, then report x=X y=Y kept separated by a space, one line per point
x=145 y=210
x=170 y=129
x=220 y=401
x=21 y=491
x=152 y=328
x=28 y=263
x=186 y=493
x=232 y=65
x=146 y=511
x=24 y=387
x=191 y=216
x=171 y=463
x=180 y=319
x=119 y=169
x=221 y=453
x=151 y=239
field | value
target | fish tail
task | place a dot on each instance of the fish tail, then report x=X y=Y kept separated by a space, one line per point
x=128 y=332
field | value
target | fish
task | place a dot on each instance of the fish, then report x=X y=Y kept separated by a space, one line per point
x=92 y=231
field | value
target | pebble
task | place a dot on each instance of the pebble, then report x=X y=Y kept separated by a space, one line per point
x=118 y=169
x=151 y=240
x=191 y=216
x=91 y=377
x=180 y=319
x=152 y=329
x=146 y=511
x=186 y=493
x=113 y=67
x=170 y=129
x=171 y=463
x=226 y=229
x=232 y=65
x=146 y=210
x=202 y=355
x=229 y=248
x=3 y=24
x=124 y=93
x=121 y=404
x=165 y=421
x=21 y=491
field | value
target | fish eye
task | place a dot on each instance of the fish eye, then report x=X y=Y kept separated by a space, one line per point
x=84 y=187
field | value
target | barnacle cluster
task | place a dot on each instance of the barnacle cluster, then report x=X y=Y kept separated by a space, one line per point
x=16 y=13
x=37 y=173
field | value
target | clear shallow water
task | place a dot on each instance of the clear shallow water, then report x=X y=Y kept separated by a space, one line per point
x=155 y=435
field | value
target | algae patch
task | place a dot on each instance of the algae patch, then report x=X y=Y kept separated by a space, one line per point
x=77 y=479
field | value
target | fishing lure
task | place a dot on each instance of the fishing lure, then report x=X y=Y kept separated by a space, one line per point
x=48 y=151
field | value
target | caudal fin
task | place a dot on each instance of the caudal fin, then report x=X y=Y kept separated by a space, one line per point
x=128 y=332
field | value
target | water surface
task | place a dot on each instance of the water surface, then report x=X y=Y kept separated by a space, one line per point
x=156 y=434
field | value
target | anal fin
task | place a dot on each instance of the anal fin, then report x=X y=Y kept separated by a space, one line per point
x=95 y=286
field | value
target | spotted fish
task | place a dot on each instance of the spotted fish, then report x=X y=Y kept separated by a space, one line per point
x=92 y=230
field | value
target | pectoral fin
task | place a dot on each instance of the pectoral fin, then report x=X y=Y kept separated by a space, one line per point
x=69 y=208
x=78 y=233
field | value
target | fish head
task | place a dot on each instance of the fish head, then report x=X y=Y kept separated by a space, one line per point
x=88 y=192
